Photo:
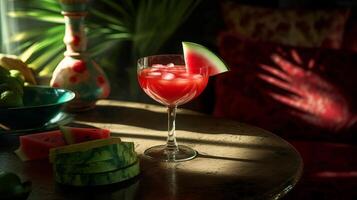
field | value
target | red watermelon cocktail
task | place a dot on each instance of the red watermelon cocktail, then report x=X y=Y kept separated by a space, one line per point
x=172 y=85
x=173 y=80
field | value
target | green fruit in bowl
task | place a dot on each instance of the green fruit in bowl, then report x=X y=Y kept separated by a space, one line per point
x=18 y=76
x=3 y=72
x=8 y=181
x=14 y=85
x=12 y=79
x=11 y=88
x=10 y=98
x=11 y=186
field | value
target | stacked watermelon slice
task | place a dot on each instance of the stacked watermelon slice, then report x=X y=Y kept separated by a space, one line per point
x=82 y=156
x=97 y=162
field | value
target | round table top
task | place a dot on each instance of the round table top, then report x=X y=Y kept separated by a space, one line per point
x=235 y=160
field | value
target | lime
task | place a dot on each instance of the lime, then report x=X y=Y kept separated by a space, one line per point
x=3 y=72
x=10 y=99
x=18 y=75
x=4 y=87
x=8 y=181
x=14 y=85
x=11 y=186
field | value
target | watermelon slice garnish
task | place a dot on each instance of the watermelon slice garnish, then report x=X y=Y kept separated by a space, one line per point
x=197 y=56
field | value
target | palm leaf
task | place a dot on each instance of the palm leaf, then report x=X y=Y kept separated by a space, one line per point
x=50 y=67
x=118 y=8
x=38 y=15
x=167 y=15
x=106 y=17
x=53 y=35
x=44 y=5
x=28 y=35
x=101 y=48
x=52 y=51
x=148 y=24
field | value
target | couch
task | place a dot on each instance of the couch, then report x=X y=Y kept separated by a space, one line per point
x=294 y=73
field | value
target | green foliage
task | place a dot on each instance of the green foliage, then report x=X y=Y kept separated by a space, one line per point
x=145 y=24
x=156 y=21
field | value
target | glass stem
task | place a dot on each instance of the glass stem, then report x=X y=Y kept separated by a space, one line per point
x=171 y=144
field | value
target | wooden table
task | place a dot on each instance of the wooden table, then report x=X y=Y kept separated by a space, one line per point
x=235 y=161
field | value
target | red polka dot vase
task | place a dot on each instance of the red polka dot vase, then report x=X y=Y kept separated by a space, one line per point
x=77 y=71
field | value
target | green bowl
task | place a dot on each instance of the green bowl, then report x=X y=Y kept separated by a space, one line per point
x=41 y=104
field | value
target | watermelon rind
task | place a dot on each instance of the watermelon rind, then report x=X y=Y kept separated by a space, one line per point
x=123 y=153
x=83 y=146
x=96 y=179
x=216 y=63
x=67 y=135
x=21 y=154
x=96 y=160
x=94 y=167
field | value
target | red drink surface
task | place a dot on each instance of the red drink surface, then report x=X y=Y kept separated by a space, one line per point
x=171 y=85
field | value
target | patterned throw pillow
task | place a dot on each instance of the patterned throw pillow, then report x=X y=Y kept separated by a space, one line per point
x=303 y=28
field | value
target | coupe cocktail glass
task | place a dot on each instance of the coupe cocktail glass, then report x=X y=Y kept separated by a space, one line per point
x=166 y=79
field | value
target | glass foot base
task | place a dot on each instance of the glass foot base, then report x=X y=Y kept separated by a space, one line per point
x=160 y=153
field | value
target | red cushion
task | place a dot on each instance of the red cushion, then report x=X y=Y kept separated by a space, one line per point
x=316 y=102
